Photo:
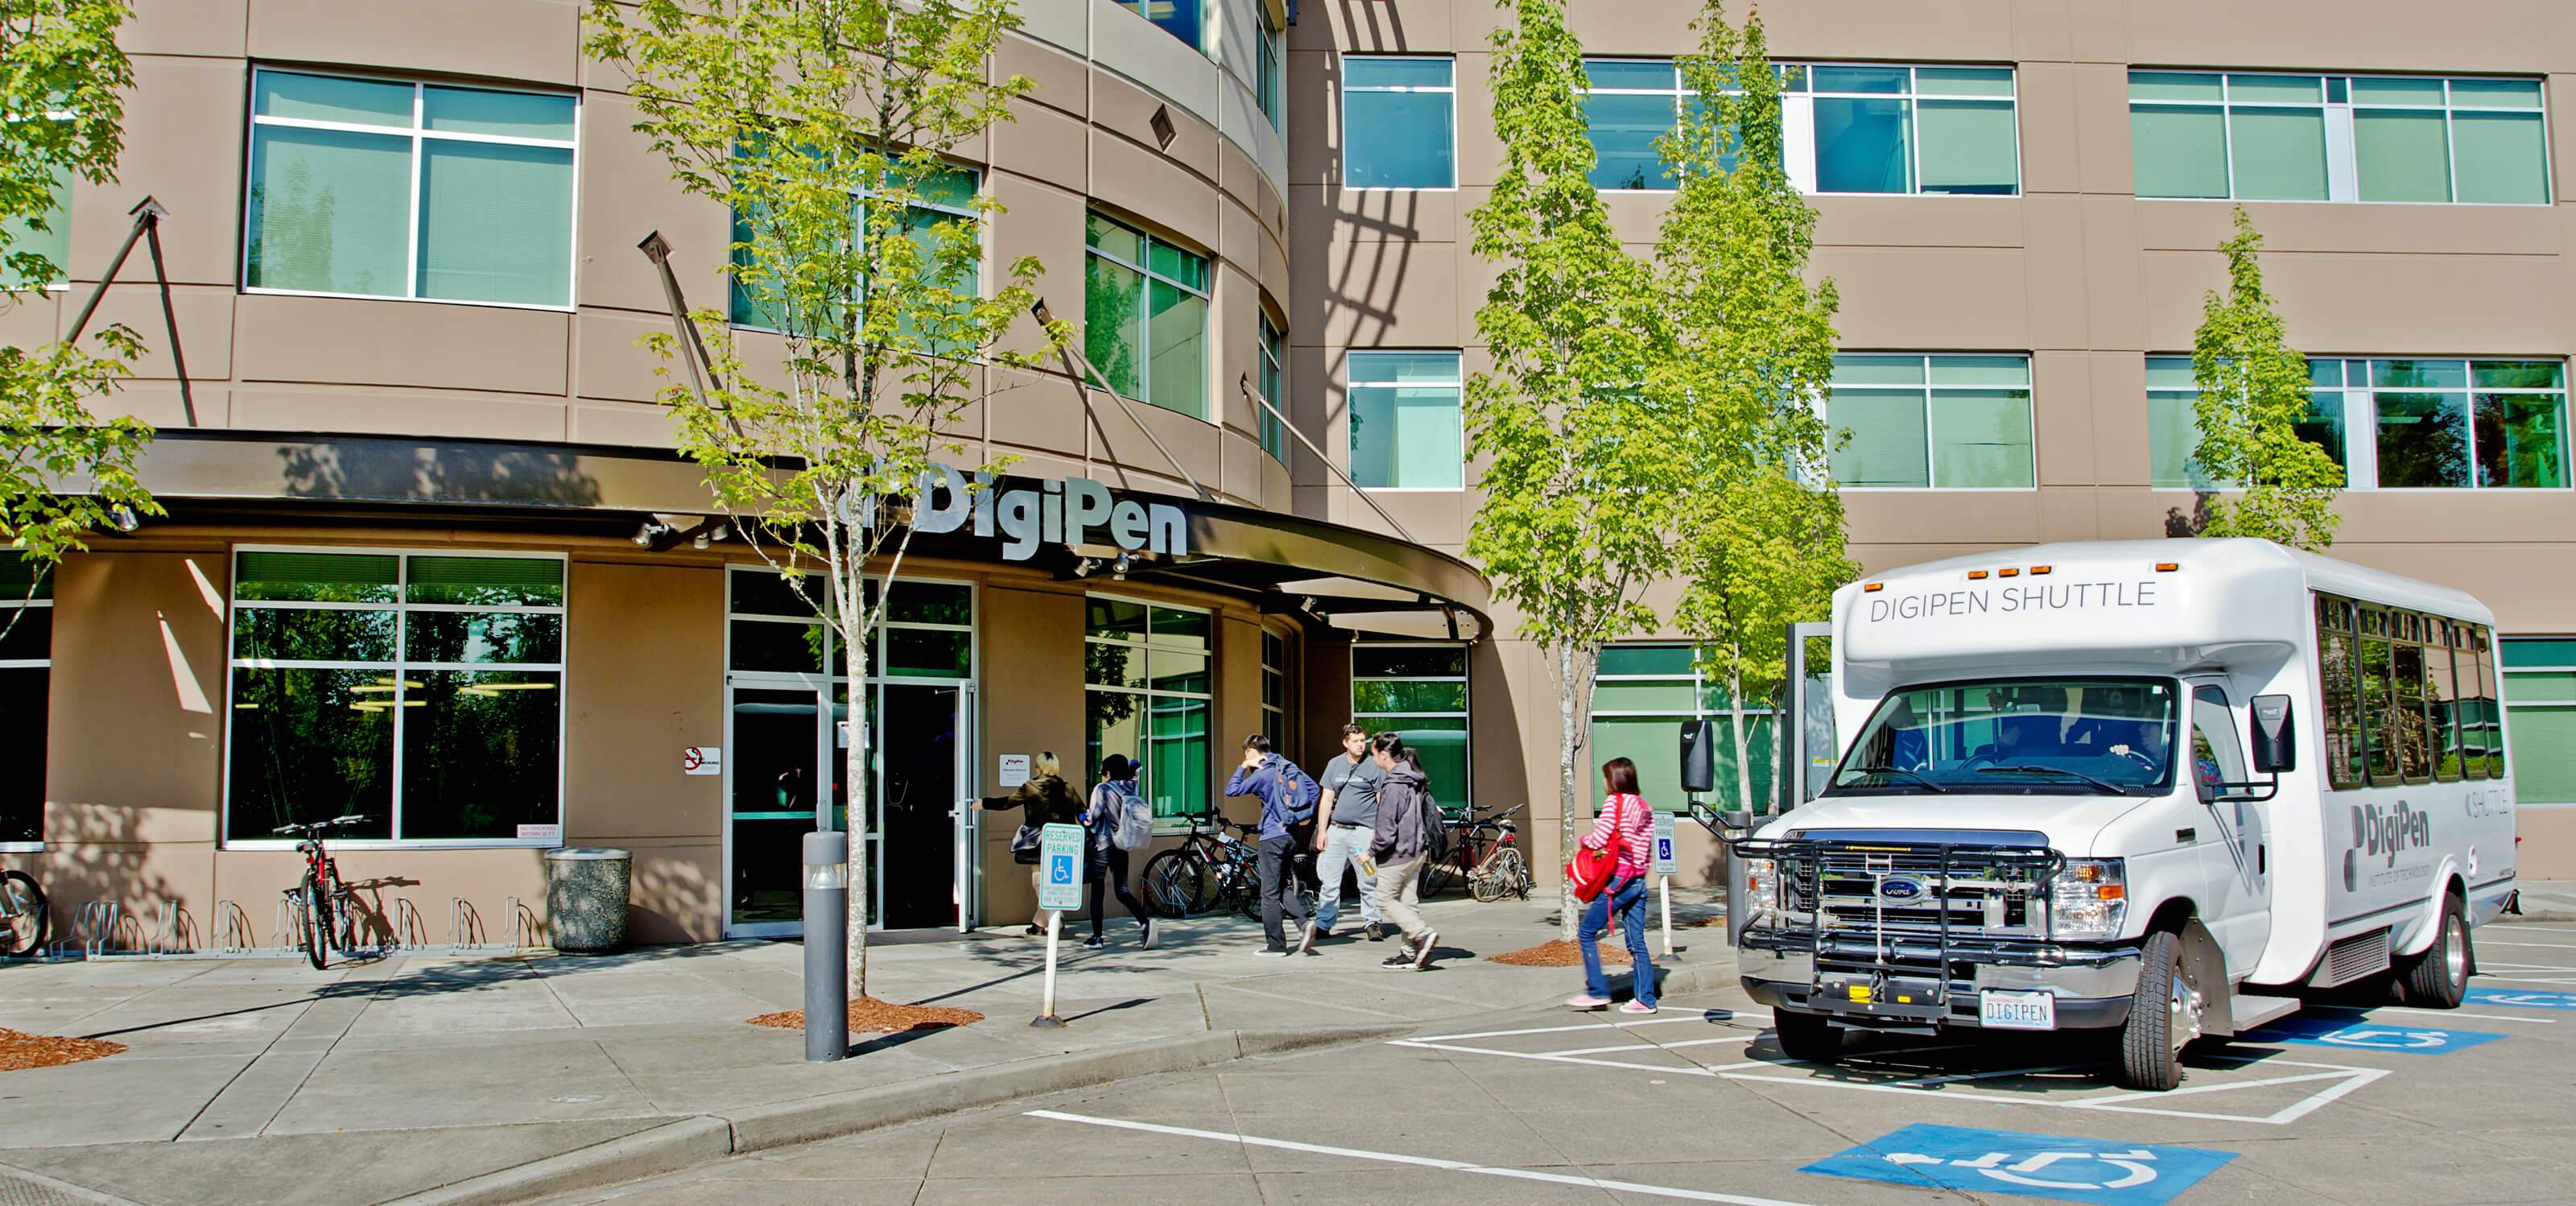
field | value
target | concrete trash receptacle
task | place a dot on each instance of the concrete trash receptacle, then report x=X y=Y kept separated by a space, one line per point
x=586 y=897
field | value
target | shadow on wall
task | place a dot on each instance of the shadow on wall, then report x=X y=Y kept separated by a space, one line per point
x=394 y=472
x=674 y=896
x=97 y=852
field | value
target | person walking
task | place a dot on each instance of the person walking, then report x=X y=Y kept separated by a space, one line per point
x=1400 y=841
x=1047 y=800
x=1287 y=796
x=1345 y=826
x=1625 y=825
x=1110 y=799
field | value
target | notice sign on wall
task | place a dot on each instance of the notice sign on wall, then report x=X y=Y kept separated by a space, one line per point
x=702 y=760
x=1014 y=771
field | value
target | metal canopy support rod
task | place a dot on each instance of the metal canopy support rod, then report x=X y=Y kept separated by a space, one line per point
x=147 y=225
x=1245 y=385
x=1038 y=309
x=658 y=251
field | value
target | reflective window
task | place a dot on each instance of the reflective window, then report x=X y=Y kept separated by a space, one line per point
x=2411 y=423
x=2173 y=427
x=1406 y=430
x=2540 y=691
x=1936 y=422
x=2268 y=136
x=1278 y=713
x=26 y=679
x=947 y=195
x=385 y=188
x=1399 y=121
x=2088 y=736
x=1183 y=19
x=1274 y=389
x=1644 y=696
x=1145 y=304
x=1266 y=85
x=1151 y=697
x=1419 y=690
x=775 y=625
x=423 y=691
x=1848 y=128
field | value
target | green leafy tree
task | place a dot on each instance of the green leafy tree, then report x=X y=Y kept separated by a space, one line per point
x=64 y=471
x=825 y=126
x=1748 y=352
x=1581 y=468
x=2253 y=396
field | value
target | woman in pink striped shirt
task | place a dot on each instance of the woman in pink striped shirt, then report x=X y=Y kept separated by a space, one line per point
x=1626 y=826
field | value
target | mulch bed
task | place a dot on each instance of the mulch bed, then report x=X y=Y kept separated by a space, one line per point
x=1559 y=953
x=869 y=1015
x=20 y=1050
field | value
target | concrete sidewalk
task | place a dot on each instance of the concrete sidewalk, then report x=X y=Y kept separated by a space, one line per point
x=265 y=1083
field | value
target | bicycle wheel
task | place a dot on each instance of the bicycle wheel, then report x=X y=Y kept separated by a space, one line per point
x=1503 y=874
x=1175 y=884
x=22 y=914
x=1437 y=874
x=317 y=926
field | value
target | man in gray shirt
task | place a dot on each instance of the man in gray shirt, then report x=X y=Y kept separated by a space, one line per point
x=1345 y=821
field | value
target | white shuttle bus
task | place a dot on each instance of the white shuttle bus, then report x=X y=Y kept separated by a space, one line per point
x=2147 y=788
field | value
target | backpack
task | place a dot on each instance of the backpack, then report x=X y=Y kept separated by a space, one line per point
x=1133 y=827
x=1435 y=829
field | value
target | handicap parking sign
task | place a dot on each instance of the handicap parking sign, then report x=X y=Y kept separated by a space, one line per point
x=1060 y=860
x=2369 y=1036
x=2105 y=1171
x=2523 y=1000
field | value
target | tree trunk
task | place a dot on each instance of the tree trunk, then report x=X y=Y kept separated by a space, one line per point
x=1735 y=714
x=1569 y=910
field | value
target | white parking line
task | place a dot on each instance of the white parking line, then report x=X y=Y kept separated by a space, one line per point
x=1752 y=1015
x=2555 y=946
x=2528 y=929
x=1460 y=1166
x=2439 y=1013
x=1732 y=1038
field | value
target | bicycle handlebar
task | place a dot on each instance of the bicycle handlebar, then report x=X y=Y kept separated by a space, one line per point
x=319 y=826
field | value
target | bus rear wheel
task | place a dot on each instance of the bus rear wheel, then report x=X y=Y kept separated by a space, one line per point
x=2439 y=978
x=1806 y=1037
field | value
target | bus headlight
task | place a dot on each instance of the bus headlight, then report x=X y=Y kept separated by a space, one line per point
x=1761 y=889
x=2089 y=899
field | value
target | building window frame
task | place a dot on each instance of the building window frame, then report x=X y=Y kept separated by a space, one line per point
x=1449 y=90
x=1274 y=390
x=1708 y=703
x=1136 y=328
x=1279 y=709
x=401 y=666
x=1270 y=69
x=2347 y=395
x=1798 y=102
x=1381 y=719
x=1197 y=11
x=1158 y=702
x=2538 y=674
x=420 y=136
x=2342 y=108
x=1451 y=431
x=742 y=313
x=1929 y=386
x=27 y=615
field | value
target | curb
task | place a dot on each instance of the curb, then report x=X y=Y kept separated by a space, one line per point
x=704 y=1138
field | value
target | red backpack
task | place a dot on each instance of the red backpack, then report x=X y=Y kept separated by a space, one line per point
x=1589 y=871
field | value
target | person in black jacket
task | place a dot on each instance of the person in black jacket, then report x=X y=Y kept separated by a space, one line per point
x=1400 y=843
x=1048 y=801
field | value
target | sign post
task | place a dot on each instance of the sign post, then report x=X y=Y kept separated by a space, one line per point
x=1059 y=890
x=1665 y=866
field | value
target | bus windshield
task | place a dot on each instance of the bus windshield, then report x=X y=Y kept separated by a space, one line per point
x=2107 y=736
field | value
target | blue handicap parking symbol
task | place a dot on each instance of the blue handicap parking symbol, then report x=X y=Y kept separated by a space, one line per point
x=2041 y=1166
x=2523 y=1000
x=2369 y=1036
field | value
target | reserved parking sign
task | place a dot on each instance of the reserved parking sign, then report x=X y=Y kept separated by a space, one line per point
x=1665 y=863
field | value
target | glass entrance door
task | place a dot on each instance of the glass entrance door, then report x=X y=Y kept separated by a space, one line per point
x=774 y=767
x=919 y=756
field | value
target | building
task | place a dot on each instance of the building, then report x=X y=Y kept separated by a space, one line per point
x=431 y=560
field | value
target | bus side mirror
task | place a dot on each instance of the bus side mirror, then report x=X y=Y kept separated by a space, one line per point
x=2276 y=746
x=1699 y=756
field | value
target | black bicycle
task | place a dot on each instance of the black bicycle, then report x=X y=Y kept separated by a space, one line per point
x=1484 y=856
x=23 y=914
x=1212 y=869
x=320 y=898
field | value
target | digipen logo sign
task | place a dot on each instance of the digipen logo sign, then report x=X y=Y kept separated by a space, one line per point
x=2383 y=836
x=1059 y=511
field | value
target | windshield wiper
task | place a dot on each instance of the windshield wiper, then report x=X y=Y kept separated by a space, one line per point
x=1890 y=770
x=2113 y=788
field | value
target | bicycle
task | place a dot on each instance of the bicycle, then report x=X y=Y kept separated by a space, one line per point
x=23 y=914
x=1483 y=854
x=1214 y=869
x=320 y=898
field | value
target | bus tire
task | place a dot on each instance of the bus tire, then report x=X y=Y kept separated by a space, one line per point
x=2164 y=1017
x=2439 y=978
x=1806 y=1037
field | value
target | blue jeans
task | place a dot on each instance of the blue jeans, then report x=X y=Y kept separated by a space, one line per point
x=1628 y=897
x=1343 y=844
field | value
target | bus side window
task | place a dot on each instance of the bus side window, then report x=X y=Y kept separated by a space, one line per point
x=2379 y=702
x=2490 y=713
x=2341 y=711
x=2442 y=698
x=2215 y=755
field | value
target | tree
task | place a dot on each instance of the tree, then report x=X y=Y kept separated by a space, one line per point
x=1748 y=352
x=1581 y=467
x=64 y=471
x=826 y=127
x=2253 y=397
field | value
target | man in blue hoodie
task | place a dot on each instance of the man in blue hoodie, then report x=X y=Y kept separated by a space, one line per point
x=1288 y=798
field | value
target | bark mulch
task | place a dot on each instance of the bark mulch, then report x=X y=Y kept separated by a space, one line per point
x=1559 y=953
x=869 y=1015
x=20 y=1050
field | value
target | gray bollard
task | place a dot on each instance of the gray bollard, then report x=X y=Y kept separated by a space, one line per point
x=827 y=973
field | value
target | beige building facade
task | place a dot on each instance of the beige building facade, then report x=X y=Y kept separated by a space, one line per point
x=431 y=558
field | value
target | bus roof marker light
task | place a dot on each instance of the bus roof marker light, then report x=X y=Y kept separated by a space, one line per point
x=2039 y=569
x=2167 y=567
x=1873 y=586
x=2009 y=573
x=1974 y=575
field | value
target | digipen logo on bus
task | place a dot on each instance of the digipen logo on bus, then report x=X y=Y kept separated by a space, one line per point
x=2384 y=835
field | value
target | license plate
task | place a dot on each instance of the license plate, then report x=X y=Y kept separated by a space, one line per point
x=2017 y=1010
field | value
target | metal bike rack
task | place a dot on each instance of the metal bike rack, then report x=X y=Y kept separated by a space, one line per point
x=410 y=932
x=232 y=932
x=96 y=925
x=290 y=924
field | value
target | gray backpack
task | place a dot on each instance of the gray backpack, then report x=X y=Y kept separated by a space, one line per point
x=1133 y=827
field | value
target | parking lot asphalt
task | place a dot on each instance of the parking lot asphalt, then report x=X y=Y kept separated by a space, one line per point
x=2357 y=1103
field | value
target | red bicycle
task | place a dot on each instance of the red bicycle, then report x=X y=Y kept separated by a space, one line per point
x=320 y=897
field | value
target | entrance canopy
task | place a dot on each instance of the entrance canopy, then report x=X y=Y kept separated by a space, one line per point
x=1330 y=574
